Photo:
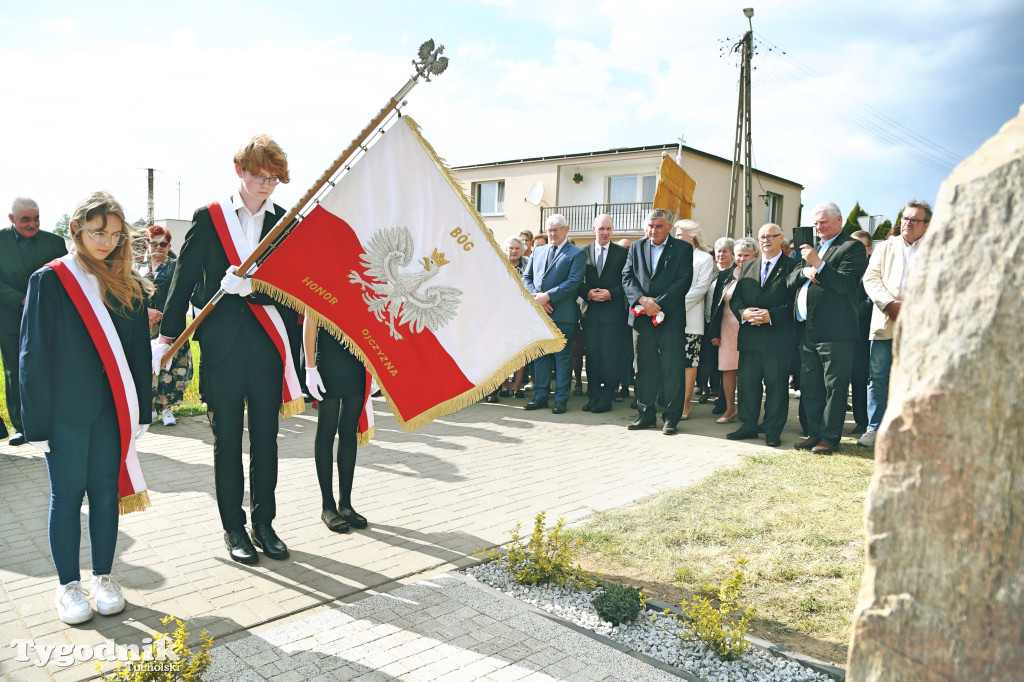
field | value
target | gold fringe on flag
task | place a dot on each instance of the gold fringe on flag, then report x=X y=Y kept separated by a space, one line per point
x=132 y=503
x=364 y=438
x=293 y=407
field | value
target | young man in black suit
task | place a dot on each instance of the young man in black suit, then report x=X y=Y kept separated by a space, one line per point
x=24 y=248
x=241 y=365
x=825 y=286
x=764 y=306
x=657 y=276
x=604 y=315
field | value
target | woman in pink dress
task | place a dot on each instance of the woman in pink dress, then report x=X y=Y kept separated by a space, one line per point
x=728 y=329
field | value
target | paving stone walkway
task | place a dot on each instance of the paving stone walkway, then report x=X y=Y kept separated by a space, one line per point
x=433 y=498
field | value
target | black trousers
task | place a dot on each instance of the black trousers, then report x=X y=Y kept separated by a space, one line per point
x=603 y=347
x=244 y=378
x=759 y=371
x=859 y=381
x=825 y=370
x=9 y=352
x=659 y=357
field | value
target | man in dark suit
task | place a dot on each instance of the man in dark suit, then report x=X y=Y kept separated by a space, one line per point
x=240 y=366
x=825 y=286
x=553 y=276
x=657 y=276
x=763 y=304
x=604 y=315
x=24 y=248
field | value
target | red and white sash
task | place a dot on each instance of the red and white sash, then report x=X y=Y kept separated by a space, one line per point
x=84 y=290
x=237 y=247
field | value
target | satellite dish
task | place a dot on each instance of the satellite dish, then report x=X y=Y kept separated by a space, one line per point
x=536 y=193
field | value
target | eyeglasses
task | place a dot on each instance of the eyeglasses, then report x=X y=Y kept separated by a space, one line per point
x=101 y=237
x=263 y=179
x=914 y=221
x=159 y=245
x=768 y=237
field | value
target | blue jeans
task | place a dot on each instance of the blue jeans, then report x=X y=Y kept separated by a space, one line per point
x=878 y=383
x=561 y=364
x=83 y=459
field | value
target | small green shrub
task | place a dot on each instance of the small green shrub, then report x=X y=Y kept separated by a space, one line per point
x=178 y=660
x=547 y=557
x=719 y=627
x=619 y=604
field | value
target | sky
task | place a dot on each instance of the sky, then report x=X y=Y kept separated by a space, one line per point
x=872 y=102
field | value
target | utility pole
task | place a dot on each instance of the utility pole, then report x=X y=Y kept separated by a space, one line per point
x=743 y=137
x=179 y=199
x=149 y=212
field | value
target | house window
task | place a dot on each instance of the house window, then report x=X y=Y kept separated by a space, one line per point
x=773 y=208
x=490 y=197
x=628 y=189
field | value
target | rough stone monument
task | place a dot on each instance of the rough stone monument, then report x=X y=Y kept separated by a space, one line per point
x=943 y=590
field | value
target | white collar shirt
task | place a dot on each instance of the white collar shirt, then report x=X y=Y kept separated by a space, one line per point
x=252 y=224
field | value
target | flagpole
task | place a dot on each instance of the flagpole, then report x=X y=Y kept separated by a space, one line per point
x=430 y=63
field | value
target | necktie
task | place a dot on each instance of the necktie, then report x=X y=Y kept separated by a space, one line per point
x=551 y=256
x=767 y=269
x=600 y=261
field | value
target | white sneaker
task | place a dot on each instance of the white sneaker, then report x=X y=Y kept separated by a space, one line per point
x=168 y=417
x=72 y=602
x=868 y=439
x=109 y=599
x=154 y=416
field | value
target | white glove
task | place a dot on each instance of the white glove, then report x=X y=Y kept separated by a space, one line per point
x=159 y=349
x=314 y=384
x=41 y=445
x=233 y=284
x=142 y=428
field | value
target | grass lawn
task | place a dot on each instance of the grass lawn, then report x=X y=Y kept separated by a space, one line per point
x=189 y=406
x=798 y=520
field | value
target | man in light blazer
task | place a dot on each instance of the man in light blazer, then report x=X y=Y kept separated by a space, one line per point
x=825 y=285
x=764 y=306
x=24 y=248
x=657 y=276
x=604 y=315
x=553 y=276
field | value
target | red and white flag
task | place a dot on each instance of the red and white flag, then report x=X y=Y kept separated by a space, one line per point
x=395 y=261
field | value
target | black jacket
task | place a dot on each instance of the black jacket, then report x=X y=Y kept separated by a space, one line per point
x=62 y=376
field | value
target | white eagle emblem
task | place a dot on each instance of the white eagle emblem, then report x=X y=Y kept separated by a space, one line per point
x=396 y=295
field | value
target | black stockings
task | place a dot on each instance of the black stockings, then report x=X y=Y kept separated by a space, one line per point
x=341 y=416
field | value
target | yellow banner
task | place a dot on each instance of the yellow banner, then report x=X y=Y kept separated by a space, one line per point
x=675 y=189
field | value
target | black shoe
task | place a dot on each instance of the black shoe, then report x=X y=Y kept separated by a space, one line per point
x=719 y=409
x=642 y=424
x=332 y=519
x=353 y=518
x=535 y=404
x=859 y=429
x=589 y=406
x=773 y=441
x=503 y=393
x=668 y=428
x=264 y=537
x=741 y=434
x=239 y=546
x=703 y=399
x=16 y=439
x=559 y=408
x=492 y=398
x=603 y=406
x=520 y=394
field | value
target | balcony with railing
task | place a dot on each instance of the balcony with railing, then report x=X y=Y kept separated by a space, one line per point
x=628 y=219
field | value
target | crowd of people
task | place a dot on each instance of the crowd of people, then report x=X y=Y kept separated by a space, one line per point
x=84 y=334
x=741 y=322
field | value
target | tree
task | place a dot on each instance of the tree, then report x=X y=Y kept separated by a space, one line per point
x=882 y=231
x=62 y=227
x=852 y=225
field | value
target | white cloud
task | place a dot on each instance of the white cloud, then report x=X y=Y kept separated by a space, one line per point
x=63 y=27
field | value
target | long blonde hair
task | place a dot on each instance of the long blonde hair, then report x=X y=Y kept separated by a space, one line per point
x=121 y=287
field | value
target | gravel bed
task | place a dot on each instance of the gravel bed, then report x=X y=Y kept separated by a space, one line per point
x=655 y=634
